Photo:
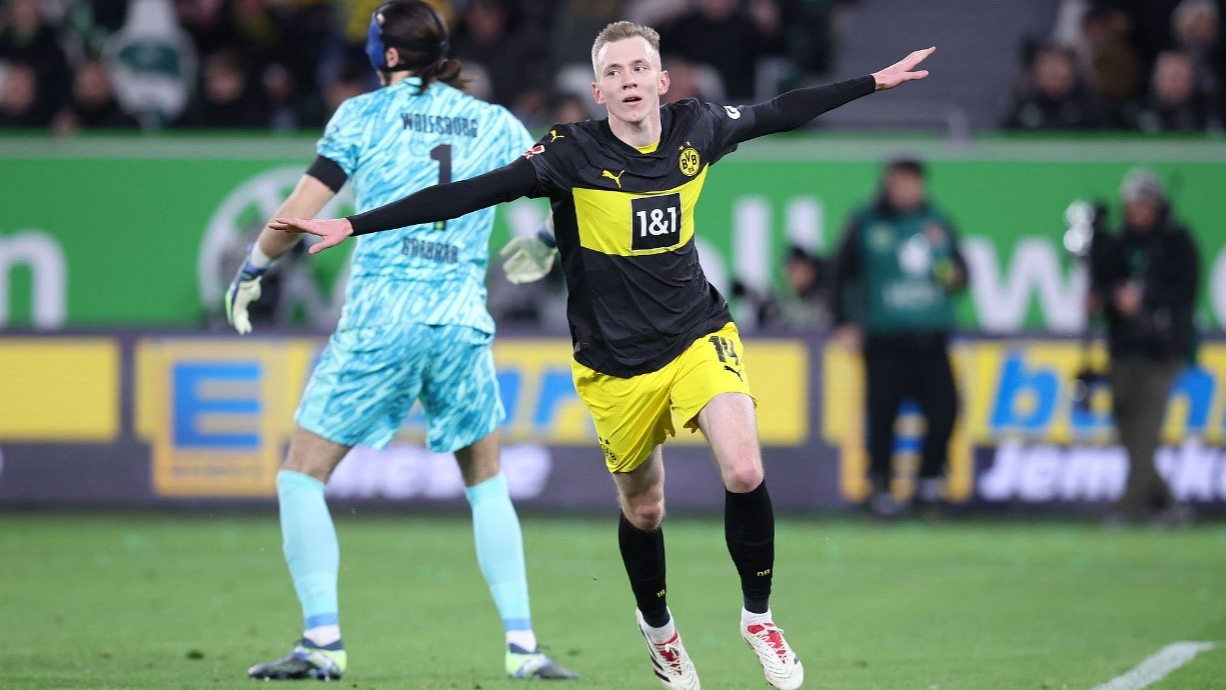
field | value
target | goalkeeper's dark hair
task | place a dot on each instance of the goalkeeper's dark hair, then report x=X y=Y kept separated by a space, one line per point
x=415 y=21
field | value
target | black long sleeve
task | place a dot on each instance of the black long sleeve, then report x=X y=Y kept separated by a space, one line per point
x=451 y=200
x=794 y=108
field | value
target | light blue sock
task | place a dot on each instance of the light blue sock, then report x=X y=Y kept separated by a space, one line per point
x=500 y=550
x=310 y=546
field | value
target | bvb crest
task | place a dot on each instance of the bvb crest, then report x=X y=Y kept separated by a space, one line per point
x=689 y=161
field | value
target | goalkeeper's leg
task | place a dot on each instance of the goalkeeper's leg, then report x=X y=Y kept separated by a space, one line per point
x=500 y=555
x=313 y=555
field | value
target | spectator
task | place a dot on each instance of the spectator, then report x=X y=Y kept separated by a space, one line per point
x=256 y=31
x=27 y=40
x=314 y=46
x=895 y=277
x=1175 y=104
x=93 y=21
x=1109 y=57
x=485 y=39
x=568 y=107
x=152 y=63
x=719 y=33
x=1196 y=26
x=207 y=23
x=804 y=305
x=93 y=103
x=285 y=110
x=228 y=96
x=574 y=24
x=808 y=34
x=1151 y=22
x=19 y=97
x=353 y=79
x=1052 y=97
x=1147 y=282
x=692 y=80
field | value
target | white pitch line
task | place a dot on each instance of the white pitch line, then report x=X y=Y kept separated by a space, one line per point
x=1156 y=667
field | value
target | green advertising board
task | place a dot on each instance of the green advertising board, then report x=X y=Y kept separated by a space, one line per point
x=137 y=232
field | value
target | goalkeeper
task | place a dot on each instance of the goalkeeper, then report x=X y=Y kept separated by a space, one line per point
x=415 y=326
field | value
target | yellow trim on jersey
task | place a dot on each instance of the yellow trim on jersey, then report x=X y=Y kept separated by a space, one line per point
x=604 y=217
x=650 y=148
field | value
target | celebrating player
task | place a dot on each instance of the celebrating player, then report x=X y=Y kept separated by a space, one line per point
x=415 y=327
x=650 y=333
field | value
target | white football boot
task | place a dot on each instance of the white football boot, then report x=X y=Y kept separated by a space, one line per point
x=779 y=663
x=669 y=660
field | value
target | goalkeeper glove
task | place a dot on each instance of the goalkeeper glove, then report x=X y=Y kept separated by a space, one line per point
x=526 y=259
x=245 y=288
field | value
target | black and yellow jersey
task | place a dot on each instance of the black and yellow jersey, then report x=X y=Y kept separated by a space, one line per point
x=624 y=219
x=624 y=224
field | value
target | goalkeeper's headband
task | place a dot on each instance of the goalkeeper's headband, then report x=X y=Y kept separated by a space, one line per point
x=377 y=42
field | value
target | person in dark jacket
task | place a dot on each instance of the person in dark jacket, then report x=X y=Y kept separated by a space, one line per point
x=1055 y=98
x=895 y=277
x=1146 y=284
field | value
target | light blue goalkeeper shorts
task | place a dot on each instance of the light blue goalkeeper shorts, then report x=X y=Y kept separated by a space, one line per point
x=367 y=379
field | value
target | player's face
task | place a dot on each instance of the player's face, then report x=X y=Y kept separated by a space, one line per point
x=629 y=80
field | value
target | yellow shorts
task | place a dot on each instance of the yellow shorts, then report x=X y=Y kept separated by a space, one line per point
x=632 y=415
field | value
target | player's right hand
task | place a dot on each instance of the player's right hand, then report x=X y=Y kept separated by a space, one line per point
x=332 y=231
x=243 y=290
x=526 y=259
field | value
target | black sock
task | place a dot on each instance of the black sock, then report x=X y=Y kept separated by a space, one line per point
x=749 y=527
x=643 y=554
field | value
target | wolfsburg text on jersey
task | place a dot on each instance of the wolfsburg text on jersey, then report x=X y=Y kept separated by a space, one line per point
x=439 y=124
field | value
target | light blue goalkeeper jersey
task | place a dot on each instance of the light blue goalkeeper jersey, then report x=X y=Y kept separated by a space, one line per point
x=393 y=142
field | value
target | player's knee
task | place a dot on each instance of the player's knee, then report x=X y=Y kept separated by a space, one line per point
x=646 y=515
x=743 y=477
x=304 y=464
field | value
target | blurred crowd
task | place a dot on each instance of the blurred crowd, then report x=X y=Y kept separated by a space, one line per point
x=287 y=64
x=1142 y=65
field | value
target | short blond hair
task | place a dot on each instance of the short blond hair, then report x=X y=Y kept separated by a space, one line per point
x=622 y=30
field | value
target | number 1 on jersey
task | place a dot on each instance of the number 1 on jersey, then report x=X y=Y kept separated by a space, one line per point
x=442 y=154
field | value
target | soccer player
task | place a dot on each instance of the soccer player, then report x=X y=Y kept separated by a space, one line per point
x=650 y=333
x=414 y=326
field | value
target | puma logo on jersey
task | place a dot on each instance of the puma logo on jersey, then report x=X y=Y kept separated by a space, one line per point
x=738 y=374
x=554 y=136
x=616 y=178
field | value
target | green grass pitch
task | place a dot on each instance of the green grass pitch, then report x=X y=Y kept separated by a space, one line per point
x=178 y=601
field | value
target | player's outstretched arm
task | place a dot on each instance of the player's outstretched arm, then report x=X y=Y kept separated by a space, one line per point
x=794 y=108
x=432 y=204
x=903 y=71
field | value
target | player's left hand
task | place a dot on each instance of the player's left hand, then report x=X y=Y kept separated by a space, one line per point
x=243 y=290
x=901 y=71
x=333 y=232
x=526 y=259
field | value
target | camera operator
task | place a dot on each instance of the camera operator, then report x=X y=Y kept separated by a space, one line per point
x=1146 y=283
